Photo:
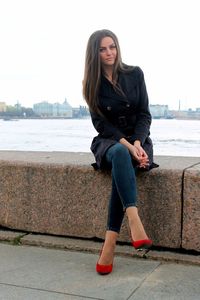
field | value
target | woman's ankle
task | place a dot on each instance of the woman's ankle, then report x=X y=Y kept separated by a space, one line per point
x=107 y=254
x=111 y=238
x=108 y=248
x=135 y=224
x=137 y=231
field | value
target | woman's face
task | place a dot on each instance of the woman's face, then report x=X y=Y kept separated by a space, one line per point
x=108 y=52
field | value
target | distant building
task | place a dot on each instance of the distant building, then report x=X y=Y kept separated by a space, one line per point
x=65 y=110
x=2 y=106
x=43 y=109
x=159 y=111
x=81 y=112
x=76 y=112
x=192 y=114
x=187 y=114
x=46 y=109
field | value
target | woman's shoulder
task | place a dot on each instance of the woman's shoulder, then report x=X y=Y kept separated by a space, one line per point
x=134 y=72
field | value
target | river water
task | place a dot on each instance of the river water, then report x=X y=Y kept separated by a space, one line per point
x=170 y=137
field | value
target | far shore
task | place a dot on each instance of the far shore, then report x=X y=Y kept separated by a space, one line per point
x=14 y=118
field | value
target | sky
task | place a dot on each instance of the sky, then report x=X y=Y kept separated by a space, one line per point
x=43 y=43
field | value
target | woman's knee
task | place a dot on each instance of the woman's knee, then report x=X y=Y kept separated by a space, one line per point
x=119 y=151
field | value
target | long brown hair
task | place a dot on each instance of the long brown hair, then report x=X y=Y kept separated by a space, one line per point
x=93 y=70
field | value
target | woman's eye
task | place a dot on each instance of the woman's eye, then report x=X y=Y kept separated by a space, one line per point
x=102 y=50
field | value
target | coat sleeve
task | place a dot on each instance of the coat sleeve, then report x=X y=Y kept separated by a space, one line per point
x=143 y=118
x=105 y=128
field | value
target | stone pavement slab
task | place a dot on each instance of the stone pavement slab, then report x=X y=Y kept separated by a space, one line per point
x=8 y=292
x=170 y=281
x=28 y=272
x=69 y=273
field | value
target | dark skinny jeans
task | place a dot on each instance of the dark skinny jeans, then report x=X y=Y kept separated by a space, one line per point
x=123 y=193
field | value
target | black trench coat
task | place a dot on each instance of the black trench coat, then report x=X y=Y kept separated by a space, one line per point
x=124 y=116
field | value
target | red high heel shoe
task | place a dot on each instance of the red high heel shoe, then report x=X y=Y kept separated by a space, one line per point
x=103 y=269
x=142 y=244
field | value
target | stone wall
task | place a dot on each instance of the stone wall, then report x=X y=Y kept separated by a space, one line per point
x=60 y=193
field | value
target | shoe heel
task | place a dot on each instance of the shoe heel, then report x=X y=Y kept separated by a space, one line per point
x=142 y=244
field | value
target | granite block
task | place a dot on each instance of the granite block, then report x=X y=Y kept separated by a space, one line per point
x=63 y=195
x=49 y=199
x=159 y=204
x=191 y=209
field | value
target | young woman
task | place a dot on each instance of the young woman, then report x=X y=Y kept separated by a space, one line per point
x=118 y=103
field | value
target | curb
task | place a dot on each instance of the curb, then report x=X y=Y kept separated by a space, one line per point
x=85 y=245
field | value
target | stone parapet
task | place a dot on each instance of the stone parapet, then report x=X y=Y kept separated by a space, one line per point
x=191 y=208
x=59 y=193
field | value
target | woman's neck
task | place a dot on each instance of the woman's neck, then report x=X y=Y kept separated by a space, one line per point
x=108 y=72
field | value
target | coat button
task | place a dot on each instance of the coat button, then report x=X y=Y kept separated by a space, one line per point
x=109 y=108
x=127 y=105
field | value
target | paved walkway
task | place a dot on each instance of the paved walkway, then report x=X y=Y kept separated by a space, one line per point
x=28 y=272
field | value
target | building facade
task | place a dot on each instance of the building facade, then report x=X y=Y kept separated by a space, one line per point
x=2 y=106
x=159 y=111
x=46 y=109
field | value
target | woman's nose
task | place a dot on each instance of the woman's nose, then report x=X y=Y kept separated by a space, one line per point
x=108 y=51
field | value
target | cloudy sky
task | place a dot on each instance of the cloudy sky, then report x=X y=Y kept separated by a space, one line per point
x=42 y=47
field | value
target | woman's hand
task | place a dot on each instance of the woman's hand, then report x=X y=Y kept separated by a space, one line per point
x=137 y=152
x=140 y=155
x=143 y=157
